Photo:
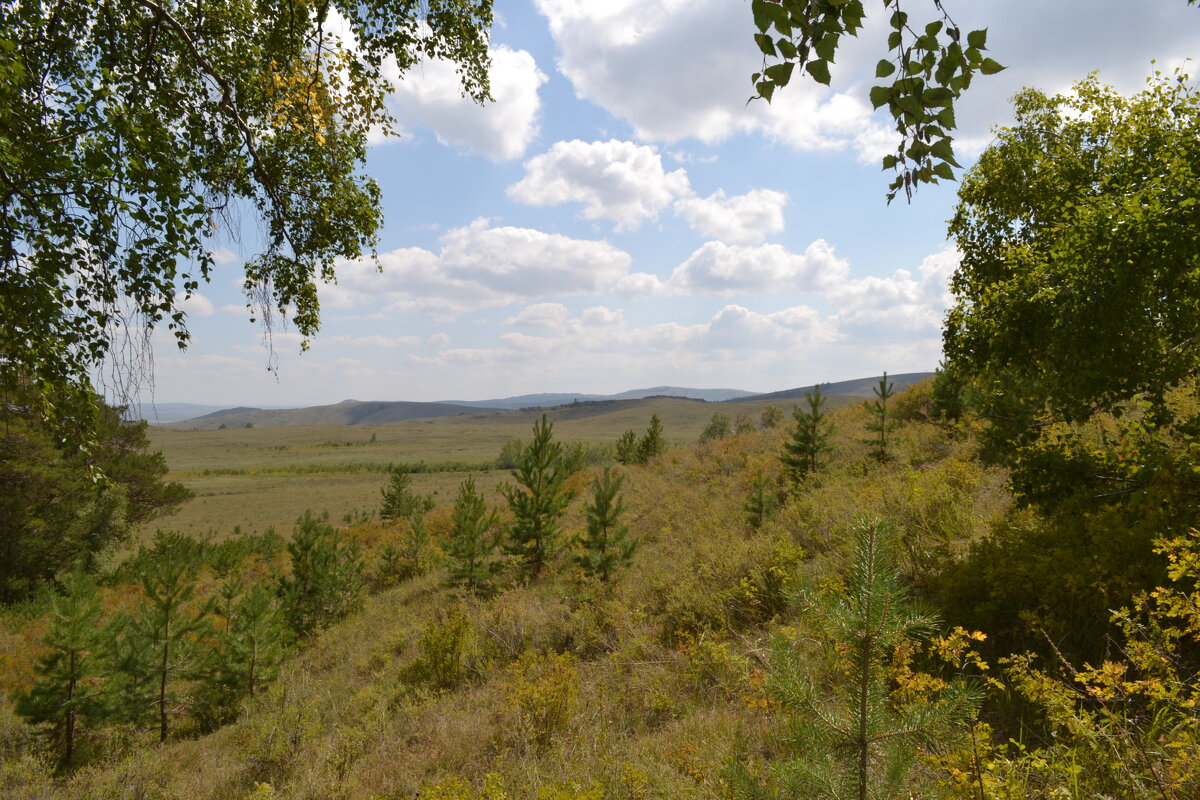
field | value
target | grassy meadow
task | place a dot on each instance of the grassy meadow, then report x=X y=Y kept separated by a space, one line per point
x=255 y=478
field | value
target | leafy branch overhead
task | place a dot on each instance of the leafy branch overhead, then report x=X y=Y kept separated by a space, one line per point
x=929 y=66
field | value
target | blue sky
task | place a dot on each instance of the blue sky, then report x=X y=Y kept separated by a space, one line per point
x=620 y=217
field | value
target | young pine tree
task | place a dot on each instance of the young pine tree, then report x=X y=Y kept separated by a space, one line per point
x=161 y=643
x=68 y=691
x=249 y=646
x=629 y=448
x=810 y=440
x=761 y=502
x=474 y=537
x=537 y=501
x=881 y=423
x=652 y=444
x=606 y=545
x=398 y=500
x=849 y=740
x=326 y=579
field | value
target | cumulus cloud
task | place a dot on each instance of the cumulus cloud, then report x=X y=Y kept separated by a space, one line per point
x=479 y=266
x=197 y=305
x=678 y=69
x=742 y=219
x=901 y=301
x=615 y=180
x=602 y=316
x=540 y=315
x=718 y=268
x=431 y=95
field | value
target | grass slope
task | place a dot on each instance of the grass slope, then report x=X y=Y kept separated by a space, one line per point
x=567 y=690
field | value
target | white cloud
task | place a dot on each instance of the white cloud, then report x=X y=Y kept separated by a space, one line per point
x=431 y=95
x=373 y=341
x=438 y=340
x=602 y=316
x=616 y=180
x=478 y=267
x=718 y=268
x=197 y=305
x=540 y=315
x=679 y=69
x=875 y=306
x=742 y=219
x=223 y=256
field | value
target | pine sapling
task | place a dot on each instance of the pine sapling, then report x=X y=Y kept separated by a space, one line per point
x=801 y=456
x=881 y=422
x=606 y=545
x=474 y=536
x=538 y=500
x=68 y=690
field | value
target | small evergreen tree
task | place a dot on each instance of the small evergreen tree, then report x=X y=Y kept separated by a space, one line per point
x=474 y=537
x=68 y=690
x=160 y=643
x=717 y=428
x=537 y=501
x=606 y=545
x=628 y=448
x=881 y=422
x=248 y=648
x=399 y=500
x=852 y=742
x=772 y=417
x=801 y=456
x=326 y=579
x=652 y=444
x=761 y=502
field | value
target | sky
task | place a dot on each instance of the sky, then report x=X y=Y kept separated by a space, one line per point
x=621 y=217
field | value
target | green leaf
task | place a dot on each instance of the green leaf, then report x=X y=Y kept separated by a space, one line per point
x=880 y=95
x=990 y=67
x=765 y=89
x=944 y=150
x=780 y=74
x=943 y=170
x=977 y=39
x=890 y=162
x=765 y=44
x=933 y=28
x=884 y=68
x=819 y=70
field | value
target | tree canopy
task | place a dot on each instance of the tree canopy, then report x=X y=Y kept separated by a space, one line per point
x=1079 y=229
x=134 y=133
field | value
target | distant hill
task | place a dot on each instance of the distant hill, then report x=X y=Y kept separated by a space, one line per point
x=347 y=412
x=547 y=400
x=860 y=387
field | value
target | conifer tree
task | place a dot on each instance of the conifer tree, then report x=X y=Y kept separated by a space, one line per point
x=881 y=422
x=810 y=440
x=399 y=500
x=849 y=740
x=628 y=448
x=326 y=577
x=474 y=537
x=652 y=443
x=761 y=502
x=248 y=649
x=537 y=501
x=606 y=545
x=160 y=643
x=68 y=690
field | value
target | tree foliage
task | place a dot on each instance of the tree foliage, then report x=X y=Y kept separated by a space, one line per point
x=717 y=428
x=326 y=578
x=474 y=536
x=856 y=741
x=62 y=506
x=139 y=130
x=606 y=544
x=881 y=421
x=1080 y=227
x=398 y=501
x=538 y=500
x=810 y=440
x=929 y=64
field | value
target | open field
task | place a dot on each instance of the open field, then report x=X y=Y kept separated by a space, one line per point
x=255 y=478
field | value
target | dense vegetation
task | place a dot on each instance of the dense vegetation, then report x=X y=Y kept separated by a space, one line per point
x=982 y=587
